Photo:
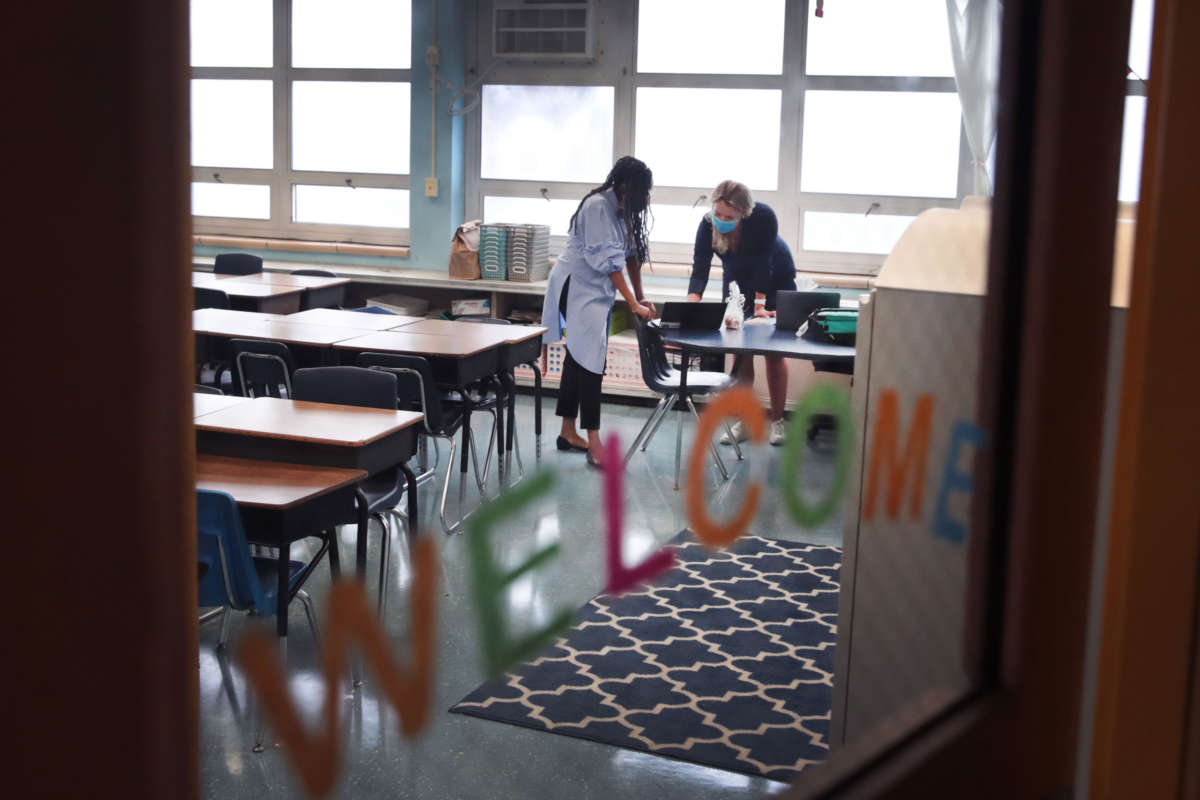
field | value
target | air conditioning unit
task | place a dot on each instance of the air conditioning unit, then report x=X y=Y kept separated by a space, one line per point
x=533 y=30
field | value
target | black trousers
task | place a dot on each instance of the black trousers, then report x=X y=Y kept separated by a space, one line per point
x=579 y=389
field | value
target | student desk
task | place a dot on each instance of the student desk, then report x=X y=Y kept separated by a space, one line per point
x=518 y=344
x=456 y=361
x=322 y=291
x=203 y=403
x=754 y=339
x=317 y=434
x=225 y=324
x=254 y=295
x=280 y=504
x=355 y=320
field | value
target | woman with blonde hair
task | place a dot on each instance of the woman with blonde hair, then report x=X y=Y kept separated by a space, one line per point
x=745 y=235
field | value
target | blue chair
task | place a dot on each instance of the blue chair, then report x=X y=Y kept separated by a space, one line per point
x=233 y=579
x=335 y=295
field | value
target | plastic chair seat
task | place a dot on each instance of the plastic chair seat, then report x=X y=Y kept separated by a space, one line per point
x=383 y=491
x=698 y=382
x=268 y=575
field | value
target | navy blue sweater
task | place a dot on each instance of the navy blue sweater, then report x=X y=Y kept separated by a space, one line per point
x=761 y=263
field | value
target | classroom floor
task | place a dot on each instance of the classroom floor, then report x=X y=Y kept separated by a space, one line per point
x=463 y=757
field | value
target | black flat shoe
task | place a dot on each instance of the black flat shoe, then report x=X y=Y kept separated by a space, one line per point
x=563 y=444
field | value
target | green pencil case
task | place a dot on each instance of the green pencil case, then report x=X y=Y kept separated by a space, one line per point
x=833 y=325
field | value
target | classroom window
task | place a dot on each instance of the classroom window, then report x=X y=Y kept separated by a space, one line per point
x=232 y=124
x=839 y=232
x=675 y=224
x=705 y=38
x=234 y=200
x=559 y=133
x=881 y=37
x=301 y=118
x=348 y=205
x=680 y=155
x=352 y=34
x=881 y=143
x=231 y=33
x=376 y=140
x=531 y=211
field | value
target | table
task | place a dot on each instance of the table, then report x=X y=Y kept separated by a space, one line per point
x=519 y=344
x=254 y=296
x=322 y=291
x=355 y=320
x=281 y=503
x=317 y=434
x=268 y=327
x=749 y=340
x=203 y=403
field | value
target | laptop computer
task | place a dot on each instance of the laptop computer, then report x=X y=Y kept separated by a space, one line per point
x=693 y=316
x=793 y=308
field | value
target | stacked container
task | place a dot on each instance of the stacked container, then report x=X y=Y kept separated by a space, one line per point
x=528 y=252
x=493 y=252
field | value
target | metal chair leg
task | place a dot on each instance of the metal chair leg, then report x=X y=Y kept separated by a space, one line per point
x=711 y=445
x=661 y=417
x=226 y=618
x=306 y=601
x=651 y=421
x=679 y=415
x=384 y=552
x=446 y=526
x=487 y=462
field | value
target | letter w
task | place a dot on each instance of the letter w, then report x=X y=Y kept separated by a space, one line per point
x=883 y=454
x=316 y=759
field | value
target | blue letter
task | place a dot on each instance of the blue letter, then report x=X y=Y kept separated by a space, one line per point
x=954 y=480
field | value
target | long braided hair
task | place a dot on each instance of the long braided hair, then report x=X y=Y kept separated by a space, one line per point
x=632 y=180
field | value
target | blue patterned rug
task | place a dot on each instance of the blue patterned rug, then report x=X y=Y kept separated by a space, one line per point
x=727 y=660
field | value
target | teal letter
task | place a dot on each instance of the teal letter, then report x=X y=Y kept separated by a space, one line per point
x=827 y=398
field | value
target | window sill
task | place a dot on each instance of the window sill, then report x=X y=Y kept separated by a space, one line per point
x=298 y=246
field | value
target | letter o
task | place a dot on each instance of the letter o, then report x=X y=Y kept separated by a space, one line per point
x=822 y=397
x=738 y=402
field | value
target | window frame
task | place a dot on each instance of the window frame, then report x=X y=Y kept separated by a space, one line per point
x=616 y=31
x=281 y=177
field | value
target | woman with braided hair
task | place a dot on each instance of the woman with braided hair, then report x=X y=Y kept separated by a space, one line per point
x=607 y=233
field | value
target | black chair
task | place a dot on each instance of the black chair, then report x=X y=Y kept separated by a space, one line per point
x=660 y=377
x=237 y=264
x=416 y=391
x=355 y=386
x=202 y=389
x=261 y=368
x=509 y=382
x=204 y=297
x=336 y=294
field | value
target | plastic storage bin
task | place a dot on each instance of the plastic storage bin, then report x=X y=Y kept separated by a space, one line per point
x=528 y=252
x=493 y=252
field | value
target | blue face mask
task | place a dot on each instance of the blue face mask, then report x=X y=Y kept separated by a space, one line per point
x=722 y=226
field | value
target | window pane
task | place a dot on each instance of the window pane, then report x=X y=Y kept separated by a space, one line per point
x=883 y=143
x=837 y=232
x=241 y=200
x=352 y=33
x=339 y=126
x=231 y=33
x=343 y=205
x=676 y=224
x=231 y=124
x=530 y=211
x=709 y=39
x=558 y=133
x=1139 y=37
x=1132 y=134
x=881 y=37
x=676 y=137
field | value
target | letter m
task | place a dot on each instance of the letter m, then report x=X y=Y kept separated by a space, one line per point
x=884 y=455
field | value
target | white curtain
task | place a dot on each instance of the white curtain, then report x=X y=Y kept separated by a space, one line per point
x=975 y=45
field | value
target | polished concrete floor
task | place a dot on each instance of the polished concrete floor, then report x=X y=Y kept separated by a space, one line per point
x=464 y=757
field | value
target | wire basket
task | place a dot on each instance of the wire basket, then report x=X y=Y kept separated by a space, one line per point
x=528 y=253
x=493 y=252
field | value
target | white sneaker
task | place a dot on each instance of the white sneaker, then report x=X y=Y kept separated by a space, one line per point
x=740 y=433
x=778 y=433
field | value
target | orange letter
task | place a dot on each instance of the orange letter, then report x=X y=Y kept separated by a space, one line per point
x=316 y=758
x=736 y=402
x=883 y=448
